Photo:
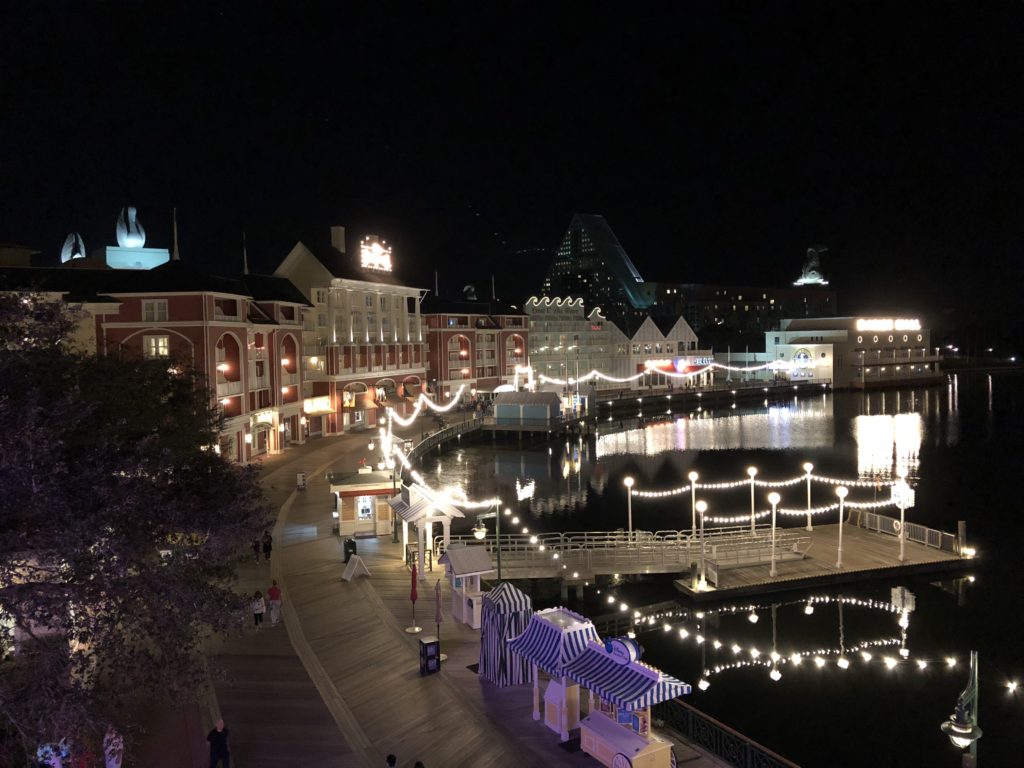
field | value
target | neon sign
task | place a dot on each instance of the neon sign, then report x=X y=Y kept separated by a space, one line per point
x=677 y=365
x=899 y=324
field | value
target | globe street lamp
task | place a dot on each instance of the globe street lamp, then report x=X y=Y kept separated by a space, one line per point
x=904 y=497
x=702 y=507
x=807 y=468
x=841 y=492
x=628 y=482
x=962 y=726
x=693 y=501
x=773 y=499
x=752 y=471
x=480 y=532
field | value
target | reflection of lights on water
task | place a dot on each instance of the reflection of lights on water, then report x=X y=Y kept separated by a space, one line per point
x=888 y=445
x=806 y=424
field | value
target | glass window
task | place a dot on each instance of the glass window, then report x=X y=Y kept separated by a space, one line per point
x=156 y=346
x=154 y=311
x=364 y=507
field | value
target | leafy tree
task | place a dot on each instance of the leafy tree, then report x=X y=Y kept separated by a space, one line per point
x=120 y=528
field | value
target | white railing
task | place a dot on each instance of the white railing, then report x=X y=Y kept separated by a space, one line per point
x=228 y=388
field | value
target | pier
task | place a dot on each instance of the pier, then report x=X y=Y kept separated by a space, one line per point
x=734 y=561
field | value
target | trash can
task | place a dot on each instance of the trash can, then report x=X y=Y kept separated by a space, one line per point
x=430 y=655
x=350 y=549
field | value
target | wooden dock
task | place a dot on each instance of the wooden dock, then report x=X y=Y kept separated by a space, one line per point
x=867 y=555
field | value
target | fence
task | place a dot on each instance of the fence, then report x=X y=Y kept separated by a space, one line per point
x=718 y=739
x=921 y=534
x=443 y=435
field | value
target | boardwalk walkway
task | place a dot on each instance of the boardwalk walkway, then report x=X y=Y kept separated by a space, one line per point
x=338 y=683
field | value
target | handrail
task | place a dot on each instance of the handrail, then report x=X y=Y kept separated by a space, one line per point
x=717 y=738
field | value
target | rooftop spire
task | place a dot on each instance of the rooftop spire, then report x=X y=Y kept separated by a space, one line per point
x=174 y=254
x=245 y=256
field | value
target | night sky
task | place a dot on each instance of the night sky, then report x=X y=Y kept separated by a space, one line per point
x=718 y=139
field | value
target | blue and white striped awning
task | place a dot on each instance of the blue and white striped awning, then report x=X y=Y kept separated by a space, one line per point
x=553 y=638
x=506 y=598
x=631 y=686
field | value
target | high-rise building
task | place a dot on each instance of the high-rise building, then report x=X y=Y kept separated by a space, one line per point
x=591 y=264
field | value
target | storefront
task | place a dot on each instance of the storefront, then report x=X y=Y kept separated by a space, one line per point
x=361 y=502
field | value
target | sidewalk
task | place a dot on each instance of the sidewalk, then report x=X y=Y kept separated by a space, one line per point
x=338 y=684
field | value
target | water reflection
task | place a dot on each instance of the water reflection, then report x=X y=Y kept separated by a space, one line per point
x=799 y=424
x=887 y=445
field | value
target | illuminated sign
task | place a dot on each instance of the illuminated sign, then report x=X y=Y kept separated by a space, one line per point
x=317 y=405
x=676 y=365
x=802 y=359
x=899 y=324
x=263 y=417
x=375 y=254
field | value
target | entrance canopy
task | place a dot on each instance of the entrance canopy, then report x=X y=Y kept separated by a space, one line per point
x=554 y=638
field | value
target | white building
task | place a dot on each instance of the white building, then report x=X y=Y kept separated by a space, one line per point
x=364 y=340
x=851 y=352
x=566 y=342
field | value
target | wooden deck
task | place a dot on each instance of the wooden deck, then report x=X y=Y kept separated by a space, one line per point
x=350 y=639
x=866 y=555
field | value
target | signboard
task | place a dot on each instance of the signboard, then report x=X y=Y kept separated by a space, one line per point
x=317 y=405
x=903 y=495
x=888 y=324
x=375 y=254
x=263 y=417
x=686 y=364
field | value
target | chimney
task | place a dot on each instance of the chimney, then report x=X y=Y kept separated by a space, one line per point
x=338 y=239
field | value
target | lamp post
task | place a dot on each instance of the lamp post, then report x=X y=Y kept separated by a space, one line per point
x=628 y=482
x=904 y=498
x=773 y=499
x=807 y=468
x=752 y=471
x=962 y=726
x=693 y=504
x=480 y=531
x=702 y=507
x=841 y=492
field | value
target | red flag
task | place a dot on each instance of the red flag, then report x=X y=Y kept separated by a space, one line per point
x=412 y=592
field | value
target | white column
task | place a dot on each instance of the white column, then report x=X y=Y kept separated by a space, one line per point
x=420 y=531
x=405 y=538
x=446 y=527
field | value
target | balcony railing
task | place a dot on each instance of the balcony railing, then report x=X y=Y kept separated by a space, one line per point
x=228 y=388
x=287 y=379
x=259 y=382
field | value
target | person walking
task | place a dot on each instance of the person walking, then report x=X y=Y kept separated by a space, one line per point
x=258 y=608
x=256 y=549
x=274 y=595
x=219 y=751
x=268 y=544
x=113 y=748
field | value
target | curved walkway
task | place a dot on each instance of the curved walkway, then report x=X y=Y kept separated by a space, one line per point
x=339 y=683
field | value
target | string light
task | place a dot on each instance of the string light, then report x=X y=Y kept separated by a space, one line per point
x=732 y=484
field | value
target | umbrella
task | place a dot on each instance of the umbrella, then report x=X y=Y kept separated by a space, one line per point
x=412 y=596
x=438 y=615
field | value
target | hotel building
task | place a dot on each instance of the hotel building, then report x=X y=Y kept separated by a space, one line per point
x=475 y=344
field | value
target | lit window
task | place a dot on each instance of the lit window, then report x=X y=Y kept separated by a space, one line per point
x=156 y=346
x=154 y=311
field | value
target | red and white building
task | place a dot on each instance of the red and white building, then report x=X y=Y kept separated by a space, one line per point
x=243 y=334
x=363 y=342
x=473 y=343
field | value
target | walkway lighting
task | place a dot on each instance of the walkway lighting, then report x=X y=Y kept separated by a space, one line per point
x=628 y=482
x=752 y=471
x=841 y=492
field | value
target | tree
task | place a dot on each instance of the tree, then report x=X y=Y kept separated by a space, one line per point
x=120 y=528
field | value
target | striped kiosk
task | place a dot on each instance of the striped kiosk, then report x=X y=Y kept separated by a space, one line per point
x=506 y=613
x=617 y=730
x=554 y=638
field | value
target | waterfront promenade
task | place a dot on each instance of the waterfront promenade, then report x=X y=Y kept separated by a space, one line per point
x=338 y=684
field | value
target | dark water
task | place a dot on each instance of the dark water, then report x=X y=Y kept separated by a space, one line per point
x=962 y=448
